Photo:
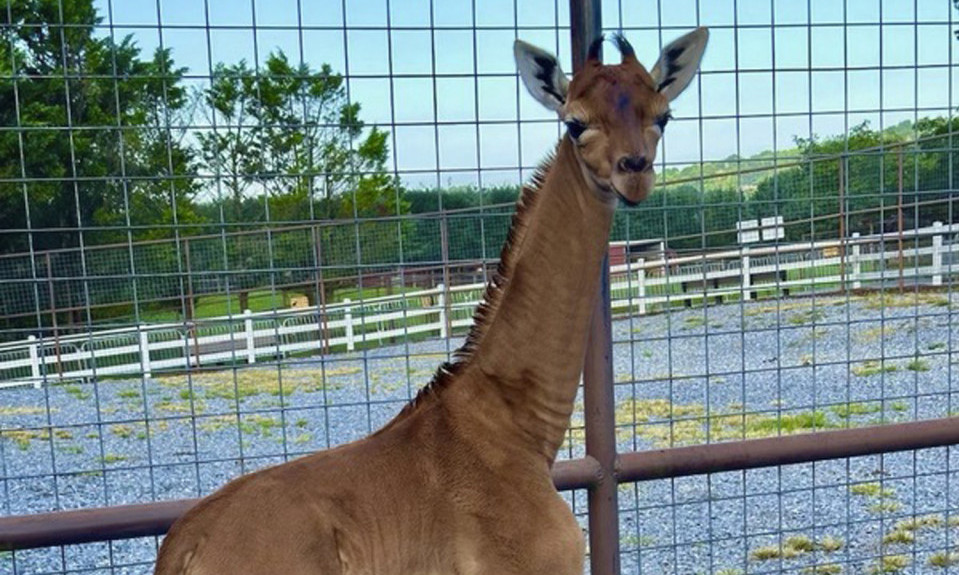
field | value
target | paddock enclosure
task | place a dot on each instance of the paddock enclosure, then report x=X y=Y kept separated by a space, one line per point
x=236 y=232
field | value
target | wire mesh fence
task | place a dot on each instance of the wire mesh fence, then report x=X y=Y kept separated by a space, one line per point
x=235 y=233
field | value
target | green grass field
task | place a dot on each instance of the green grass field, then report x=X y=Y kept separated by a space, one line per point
x=259 y=300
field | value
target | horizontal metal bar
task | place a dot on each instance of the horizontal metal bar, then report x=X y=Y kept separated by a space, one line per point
x=150 y=519
x=87 y=525
x=785 y=450
x=110 y=523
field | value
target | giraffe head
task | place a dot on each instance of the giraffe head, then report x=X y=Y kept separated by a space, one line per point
x=616 y=114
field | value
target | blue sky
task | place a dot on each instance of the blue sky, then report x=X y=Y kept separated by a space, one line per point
x=777 y=64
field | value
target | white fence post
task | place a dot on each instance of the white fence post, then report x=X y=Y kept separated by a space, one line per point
x=641 y=282
x=856 y=263
x=746 y=281
x=34 y=361
x=444 y=318
x=250 y=340
x=348 y=320
x=145 y=353
x=937 y=254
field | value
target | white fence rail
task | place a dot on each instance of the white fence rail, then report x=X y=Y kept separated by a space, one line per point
x=637 y=287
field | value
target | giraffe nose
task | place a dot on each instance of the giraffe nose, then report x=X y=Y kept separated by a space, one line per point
x=633 y=163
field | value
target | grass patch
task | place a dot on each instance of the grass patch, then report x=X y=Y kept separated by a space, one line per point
x=801 y=543
x=807 y=316
x=633 y=540
x=302 y=438
x=129 y=394
x=24 y=437
x=686 y=424
x=110 y=458
x=884 y=300
x=944 y=559
x=872 y=489
x=917 y=523
x=918 y=365
x=830 y=544
x=12 y=411
x=847 y=410
x=882 y=507
x=899 y=537
x=76 y=392
x=890 y=564
x=258 y=425
x=122 y=431
x=869 y=368
x=243 y=383
x=796 y=546
x=216 y=423
x=824 y=569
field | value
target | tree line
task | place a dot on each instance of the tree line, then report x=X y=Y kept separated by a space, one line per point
x=101 y=137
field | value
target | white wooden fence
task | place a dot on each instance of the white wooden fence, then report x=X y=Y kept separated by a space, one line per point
x=637 y=287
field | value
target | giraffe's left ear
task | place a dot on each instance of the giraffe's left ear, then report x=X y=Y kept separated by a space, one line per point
x=679 y=62
x=541 y=74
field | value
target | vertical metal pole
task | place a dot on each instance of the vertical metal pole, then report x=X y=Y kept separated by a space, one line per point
x=899 y=223
x=842 y=224
x=585 y=25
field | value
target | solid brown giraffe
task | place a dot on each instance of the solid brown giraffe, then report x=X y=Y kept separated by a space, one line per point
x=459 y=482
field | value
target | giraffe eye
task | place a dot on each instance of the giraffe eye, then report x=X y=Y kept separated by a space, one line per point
x=575 y=128
x=663 y=120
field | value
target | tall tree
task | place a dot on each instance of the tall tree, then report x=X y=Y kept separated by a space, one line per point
x=86 y=113
x=288 y=135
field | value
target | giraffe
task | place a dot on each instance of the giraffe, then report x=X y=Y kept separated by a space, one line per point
x=459 y=481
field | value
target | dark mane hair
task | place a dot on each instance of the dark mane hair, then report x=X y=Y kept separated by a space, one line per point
x=488 y=306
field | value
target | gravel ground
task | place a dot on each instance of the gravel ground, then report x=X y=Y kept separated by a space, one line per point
x=720 y=373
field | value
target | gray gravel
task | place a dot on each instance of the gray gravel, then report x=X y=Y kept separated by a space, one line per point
x=793 y=365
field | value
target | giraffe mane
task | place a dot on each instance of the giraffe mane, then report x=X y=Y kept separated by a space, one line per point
x=488 y=306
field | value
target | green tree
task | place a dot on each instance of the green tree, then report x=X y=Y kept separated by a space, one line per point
x=288 y=136
x=81 y=107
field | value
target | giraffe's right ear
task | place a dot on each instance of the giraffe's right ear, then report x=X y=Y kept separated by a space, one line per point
x=541 y=74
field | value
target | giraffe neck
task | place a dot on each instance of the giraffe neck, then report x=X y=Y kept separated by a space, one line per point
x=530 y=357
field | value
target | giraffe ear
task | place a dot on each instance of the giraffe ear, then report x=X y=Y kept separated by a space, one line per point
x=541 y=74
x=679 y=62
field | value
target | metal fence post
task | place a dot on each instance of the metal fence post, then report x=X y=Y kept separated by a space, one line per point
x=250 y=339
x=599 y=404
x=348 y=321
x=34 y=361
x=937 y=254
